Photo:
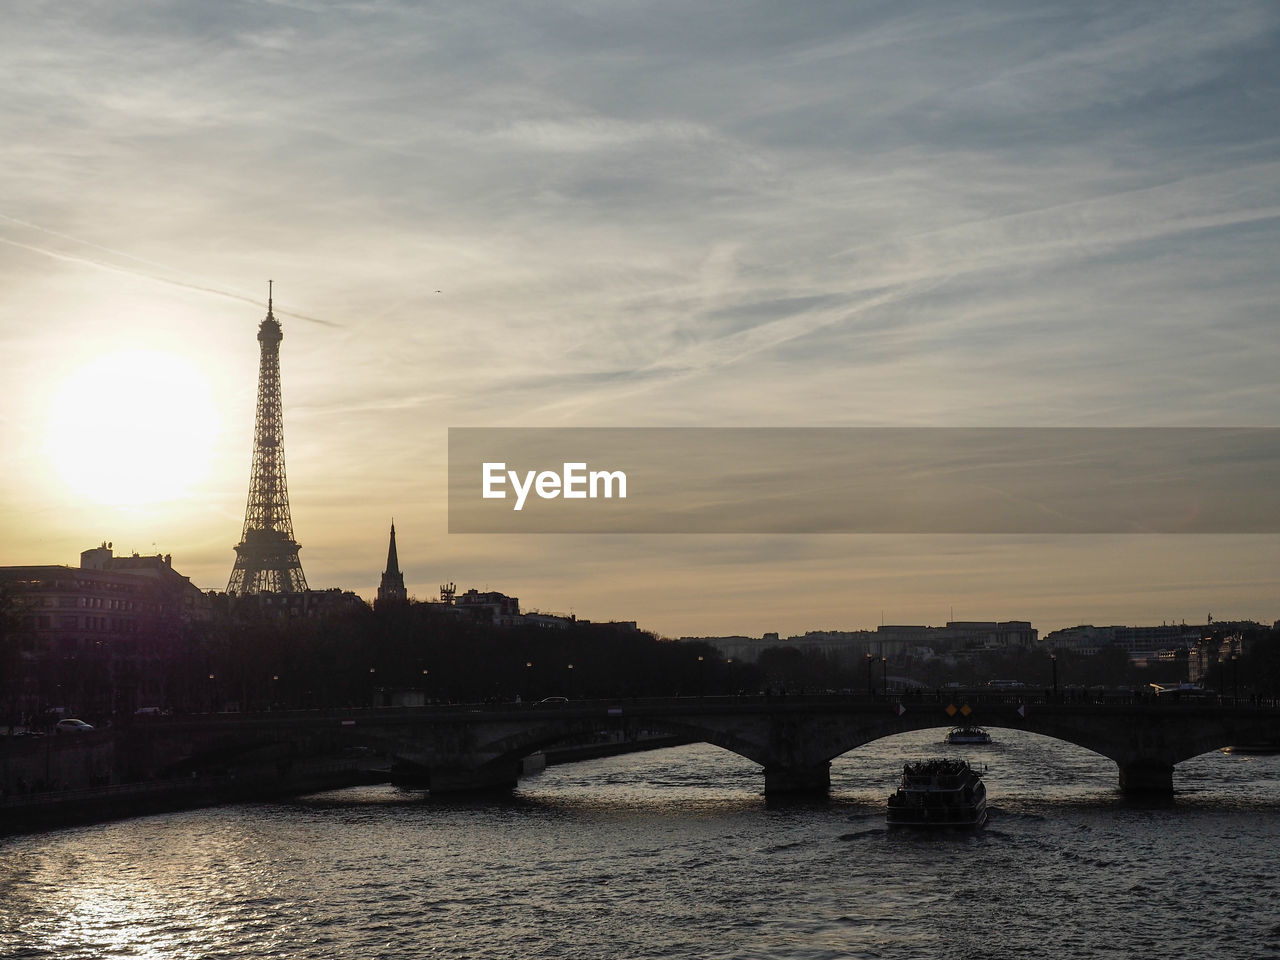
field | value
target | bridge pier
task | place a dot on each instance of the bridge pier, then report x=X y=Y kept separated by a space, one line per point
x=482 y=780
x=814 y=779
x=1146 y=776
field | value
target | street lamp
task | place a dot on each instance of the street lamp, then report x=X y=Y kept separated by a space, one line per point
x=701 y=669
x=870 y=691
x=884 y=674
x=1235 y=677
x=569 y=691
x=730 y=662
x=1053 y=664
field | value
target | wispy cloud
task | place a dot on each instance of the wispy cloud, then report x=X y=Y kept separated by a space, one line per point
x=136 y=271
x=651 y=213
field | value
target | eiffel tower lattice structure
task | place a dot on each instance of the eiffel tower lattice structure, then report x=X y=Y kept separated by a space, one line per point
x=267 y=555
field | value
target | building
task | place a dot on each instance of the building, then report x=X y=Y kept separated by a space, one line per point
x=745 y=649
x=958 y=638
x=896 y=642
x=306 y=605
x=979 y=635
x=551 y=621
x=1142 y=644
x=391 y=590
x=1209 y=658
x=1084 y=640
x=102 y=638
x=490 y=607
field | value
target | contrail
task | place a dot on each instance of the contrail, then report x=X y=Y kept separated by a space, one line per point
x=114 y=268
x=86 y=243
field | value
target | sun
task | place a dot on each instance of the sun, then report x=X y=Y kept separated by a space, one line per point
x=132 y=428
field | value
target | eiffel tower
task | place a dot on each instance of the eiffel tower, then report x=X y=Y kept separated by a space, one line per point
x=267 y=555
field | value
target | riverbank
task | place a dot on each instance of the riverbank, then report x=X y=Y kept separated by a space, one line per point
x=61 y=808
x=30 y=811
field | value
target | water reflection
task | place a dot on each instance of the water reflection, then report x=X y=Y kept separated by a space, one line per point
x=675 y=853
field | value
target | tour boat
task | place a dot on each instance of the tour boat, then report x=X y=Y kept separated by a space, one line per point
x=938 y=794
x=968 y=734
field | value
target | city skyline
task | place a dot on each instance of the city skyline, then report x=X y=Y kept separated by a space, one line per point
x=640 y=216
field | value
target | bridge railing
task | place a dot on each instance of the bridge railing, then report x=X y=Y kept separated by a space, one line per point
x=622 y=706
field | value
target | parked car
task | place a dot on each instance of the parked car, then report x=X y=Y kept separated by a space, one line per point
x=73 y=726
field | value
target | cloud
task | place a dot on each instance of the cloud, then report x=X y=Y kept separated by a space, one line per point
x=652 y=213
x=136 y=272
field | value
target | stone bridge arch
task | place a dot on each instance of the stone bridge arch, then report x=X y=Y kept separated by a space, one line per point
x=793 y=740
x=1145 y=741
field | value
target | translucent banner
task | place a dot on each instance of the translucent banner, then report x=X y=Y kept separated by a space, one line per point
x=864 y=480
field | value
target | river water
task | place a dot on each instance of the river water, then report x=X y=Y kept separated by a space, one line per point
x=675 y=853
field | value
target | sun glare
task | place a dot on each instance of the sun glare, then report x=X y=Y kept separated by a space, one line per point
x=132 y=428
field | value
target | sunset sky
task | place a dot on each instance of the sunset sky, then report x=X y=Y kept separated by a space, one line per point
x=631 y=214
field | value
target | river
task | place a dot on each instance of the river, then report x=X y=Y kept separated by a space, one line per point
x=675 y=853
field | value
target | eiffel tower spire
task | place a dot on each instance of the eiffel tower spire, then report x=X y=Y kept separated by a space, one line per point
x=267 y=555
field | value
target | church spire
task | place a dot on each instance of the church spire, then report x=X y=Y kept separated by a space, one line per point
x=393 y=562
x=392 y=588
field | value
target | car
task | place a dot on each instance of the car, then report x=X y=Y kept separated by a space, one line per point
x=73 y=726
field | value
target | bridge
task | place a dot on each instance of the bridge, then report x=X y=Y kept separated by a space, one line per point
x=467 y=748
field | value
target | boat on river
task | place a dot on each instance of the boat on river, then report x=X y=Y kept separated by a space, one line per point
x=1256 y=748
x=968 y=734
x=938 y=794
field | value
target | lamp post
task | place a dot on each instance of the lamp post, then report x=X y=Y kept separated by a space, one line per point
x=569 y=684
x=212 y=677
x=870 y=692
x=730 y=663
x=1053 y=664
x=884 y=675
x=701 y=669
x=528 y=680
x=1235 y=677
